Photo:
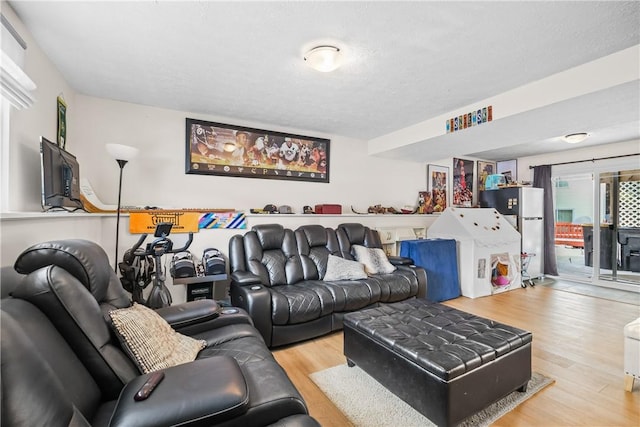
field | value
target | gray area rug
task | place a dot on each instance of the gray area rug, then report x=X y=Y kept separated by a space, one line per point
x=368 y=404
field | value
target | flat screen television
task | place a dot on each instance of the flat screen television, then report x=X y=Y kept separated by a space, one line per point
x=60 y=173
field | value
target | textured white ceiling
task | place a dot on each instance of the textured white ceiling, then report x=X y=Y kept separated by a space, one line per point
x=406 y=62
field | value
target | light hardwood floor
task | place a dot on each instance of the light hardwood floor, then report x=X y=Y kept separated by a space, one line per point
x=577 y=340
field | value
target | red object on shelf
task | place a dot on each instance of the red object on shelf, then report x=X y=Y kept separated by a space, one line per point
x=328 y=209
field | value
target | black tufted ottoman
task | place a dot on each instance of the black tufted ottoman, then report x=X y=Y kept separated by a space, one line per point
x=445 y=363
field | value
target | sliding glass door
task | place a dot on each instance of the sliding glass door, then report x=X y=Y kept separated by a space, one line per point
x=620 y=231
x=573 y=215
x=598 y=225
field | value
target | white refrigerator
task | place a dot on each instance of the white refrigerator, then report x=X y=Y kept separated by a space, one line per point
x=524 y=206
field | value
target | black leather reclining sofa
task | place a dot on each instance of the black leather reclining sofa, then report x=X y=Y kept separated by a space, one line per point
x=277 y=277
x=63 y=366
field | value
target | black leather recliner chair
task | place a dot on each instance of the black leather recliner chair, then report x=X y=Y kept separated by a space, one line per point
x=55 y=336
x=277 y=277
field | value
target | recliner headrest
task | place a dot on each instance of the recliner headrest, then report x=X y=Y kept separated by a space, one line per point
x=315 y=234
x=270 y=236
x=355 y=232
x=83 y=259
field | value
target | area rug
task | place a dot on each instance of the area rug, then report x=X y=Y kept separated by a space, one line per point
x=366 y=403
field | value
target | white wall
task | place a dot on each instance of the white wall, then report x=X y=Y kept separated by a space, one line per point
x=157 y=176
x=26 y=126
x=586 y=153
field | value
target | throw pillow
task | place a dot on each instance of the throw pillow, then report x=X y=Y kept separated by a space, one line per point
x=150 y=341
x=374 y=259
x=343 y=269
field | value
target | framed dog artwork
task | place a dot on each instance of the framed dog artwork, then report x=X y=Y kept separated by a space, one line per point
x=229 y=150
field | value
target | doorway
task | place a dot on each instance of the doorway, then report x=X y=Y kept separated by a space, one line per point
x=607 y=254
x=573 y=201
x=619 y=206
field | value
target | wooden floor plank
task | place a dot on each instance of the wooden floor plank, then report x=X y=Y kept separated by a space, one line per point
x=577 y=340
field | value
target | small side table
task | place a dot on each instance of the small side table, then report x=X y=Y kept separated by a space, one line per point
x=200 y=287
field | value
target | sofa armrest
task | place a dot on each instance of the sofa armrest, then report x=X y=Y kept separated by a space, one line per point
x=189 y=313
x=228 y=316
x=400 y=260
x=245 y=278
x=256 y=300
x=421 y=277
x=206 y=391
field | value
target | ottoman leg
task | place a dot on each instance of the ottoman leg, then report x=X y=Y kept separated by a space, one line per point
x=628 y=382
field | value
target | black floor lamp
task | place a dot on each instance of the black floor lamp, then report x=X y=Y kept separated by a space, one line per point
x=122 y=154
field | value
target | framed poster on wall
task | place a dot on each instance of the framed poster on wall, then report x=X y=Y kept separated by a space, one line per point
x=484 y=170
x=462 y=182
x=437 y=182
x=229 y=150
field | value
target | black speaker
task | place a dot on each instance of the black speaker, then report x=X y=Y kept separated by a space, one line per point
x=182 y=265
x=213 y=262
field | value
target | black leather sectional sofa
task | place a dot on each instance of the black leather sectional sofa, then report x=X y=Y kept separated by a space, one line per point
x=63 y=366
x=277 y=277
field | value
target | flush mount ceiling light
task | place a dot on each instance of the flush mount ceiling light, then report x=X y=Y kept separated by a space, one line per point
x=575 y=138
x=324 y=58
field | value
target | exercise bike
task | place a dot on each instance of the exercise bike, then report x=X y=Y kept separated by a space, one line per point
x=143 y=266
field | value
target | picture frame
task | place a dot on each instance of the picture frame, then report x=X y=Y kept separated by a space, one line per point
x=425 y=202
x=463 y=180
x=484 y=169
x=437 y=185
x=61 y=134
x=228 y=150
x=508 y=168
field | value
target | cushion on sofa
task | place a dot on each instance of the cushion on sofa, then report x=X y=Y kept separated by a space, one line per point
x=344 y=269
x=374 y=259
x=149 y=340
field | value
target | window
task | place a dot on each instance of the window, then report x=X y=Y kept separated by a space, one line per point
x=564 y=215
x=15 y=91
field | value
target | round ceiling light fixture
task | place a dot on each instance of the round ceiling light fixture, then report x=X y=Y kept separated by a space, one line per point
x=324 y=58
x=575 y=138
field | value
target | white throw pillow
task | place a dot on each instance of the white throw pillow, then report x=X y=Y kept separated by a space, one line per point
x=343 y=269
x=150 y=341
x=374 y=259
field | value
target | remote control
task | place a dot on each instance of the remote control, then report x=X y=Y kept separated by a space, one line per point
x=149 y=386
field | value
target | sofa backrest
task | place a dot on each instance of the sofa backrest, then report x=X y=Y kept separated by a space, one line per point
x=349 y=234
x=77 y=316
x=271 y=253
x=280 y=256
x=43 y=382
x=315 y=244
x=85 y=260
